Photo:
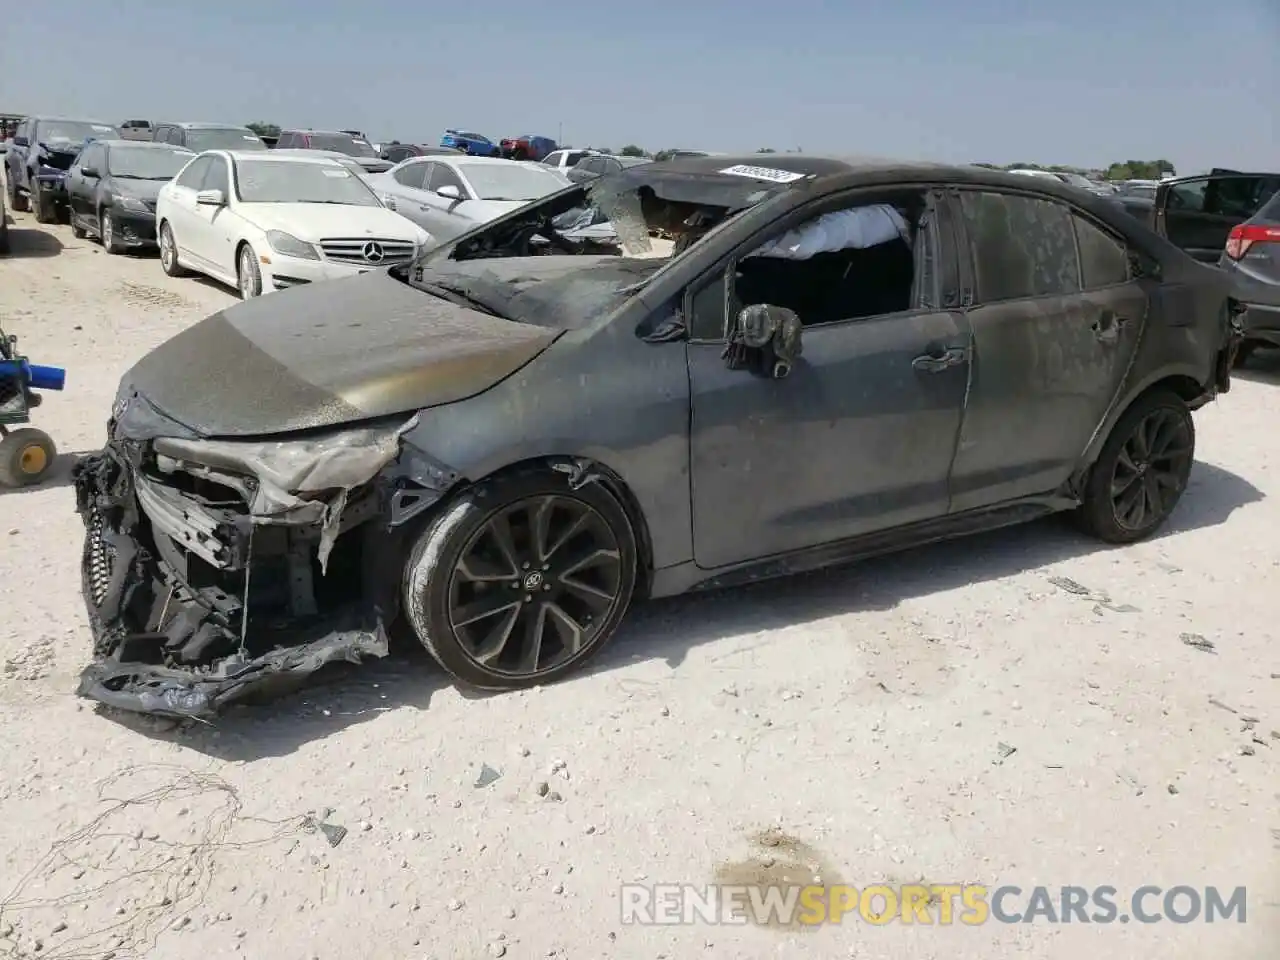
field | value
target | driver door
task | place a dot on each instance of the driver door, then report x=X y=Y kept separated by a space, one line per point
x=858 y=438
x=215 y=236
x=448 y=215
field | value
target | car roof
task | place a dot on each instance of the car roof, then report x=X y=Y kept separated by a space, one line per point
x=141 y=144
x=324 y=133
x=278 y=156
x=200 y=125
x=42 y=117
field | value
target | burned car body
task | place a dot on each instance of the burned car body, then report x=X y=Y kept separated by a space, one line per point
x=507 y=441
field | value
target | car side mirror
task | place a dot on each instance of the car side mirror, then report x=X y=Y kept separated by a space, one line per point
x=449 y=192
x=389 y=202
x=211 y=198
x=89 y=172
x=766 y=339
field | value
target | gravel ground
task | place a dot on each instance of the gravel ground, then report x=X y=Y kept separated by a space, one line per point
x=863 y=715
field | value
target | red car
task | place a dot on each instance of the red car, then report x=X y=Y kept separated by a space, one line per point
x=526 y=147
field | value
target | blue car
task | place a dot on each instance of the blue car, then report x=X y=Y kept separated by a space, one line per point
x=470 y=143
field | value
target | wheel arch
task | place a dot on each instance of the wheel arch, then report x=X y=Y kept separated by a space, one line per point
x=1180 y=381
x=579 y=469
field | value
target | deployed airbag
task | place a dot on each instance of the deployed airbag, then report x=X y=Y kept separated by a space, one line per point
x=854 y=229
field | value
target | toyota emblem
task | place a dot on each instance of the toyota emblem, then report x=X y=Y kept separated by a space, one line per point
x=372 y=252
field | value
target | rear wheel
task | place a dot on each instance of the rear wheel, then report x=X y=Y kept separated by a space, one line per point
x=1142 y=471
x=169 y=253
x=521 y=580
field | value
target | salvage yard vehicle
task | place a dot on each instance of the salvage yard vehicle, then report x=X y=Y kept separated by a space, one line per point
x=565 y=160
x=504 y=443
x=112 y=189
x=448 y=196
x=472 y=144
x=270 y=220
x=527 y=146
x=199 y=137
x=1251 y=259
x=397 y=152
x=136 y=130
x=37 y=161
x=602 y=164
x=338 y=141
x=358 y=165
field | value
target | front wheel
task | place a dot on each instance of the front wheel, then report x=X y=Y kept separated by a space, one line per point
x=248 y=276
x=17 y=201
x=520 y=580
x=77 y=231
x=169 y=253
x=107 y=231
x=41 y=206
x=25 y=457
x=1142 y=471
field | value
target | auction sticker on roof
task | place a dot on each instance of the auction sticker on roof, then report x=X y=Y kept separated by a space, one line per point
x=762 y=173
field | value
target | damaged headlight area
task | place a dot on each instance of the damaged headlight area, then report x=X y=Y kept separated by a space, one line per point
x=218 y=569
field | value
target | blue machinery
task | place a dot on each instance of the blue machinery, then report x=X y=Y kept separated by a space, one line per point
x=26 y=454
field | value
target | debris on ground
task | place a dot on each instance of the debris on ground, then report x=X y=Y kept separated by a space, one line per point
x=487 y=776
x=1005 y=750
x=1197 y=641
x=1101 y=599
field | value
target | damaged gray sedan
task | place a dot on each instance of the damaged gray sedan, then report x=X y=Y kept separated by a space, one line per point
x=507 y=442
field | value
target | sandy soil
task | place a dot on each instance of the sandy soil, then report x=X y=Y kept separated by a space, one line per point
x=861 y=712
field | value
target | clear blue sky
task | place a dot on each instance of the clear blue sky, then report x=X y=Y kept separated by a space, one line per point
x=1075 y=81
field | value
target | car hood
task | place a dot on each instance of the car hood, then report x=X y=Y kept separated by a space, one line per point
x=323 y=355
x=142 y=189
x=314 y=222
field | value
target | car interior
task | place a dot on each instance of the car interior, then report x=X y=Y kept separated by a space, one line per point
x=870 y=271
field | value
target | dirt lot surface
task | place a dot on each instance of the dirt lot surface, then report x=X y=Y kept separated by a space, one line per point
x=866 y=717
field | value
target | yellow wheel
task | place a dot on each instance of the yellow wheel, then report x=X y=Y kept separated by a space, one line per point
x=25 y=457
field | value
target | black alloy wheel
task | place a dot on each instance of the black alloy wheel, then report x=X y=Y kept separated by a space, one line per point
x=1142 y=471
x=522 y=592
x=1151 y=469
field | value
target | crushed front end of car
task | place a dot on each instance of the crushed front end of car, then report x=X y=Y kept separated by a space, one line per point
x=216 y=570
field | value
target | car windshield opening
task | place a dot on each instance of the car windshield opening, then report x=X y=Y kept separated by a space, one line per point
x=146 y=163
x=510 y=181
x=284 y=181
x=230 y=138
x=62 y=132
x=340 y=143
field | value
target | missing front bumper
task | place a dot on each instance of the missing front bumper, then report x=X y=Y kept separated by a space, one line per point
x=193 y=606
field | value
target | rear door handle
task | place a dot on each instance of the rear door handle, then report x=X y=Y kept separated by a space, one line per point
x=937 y=362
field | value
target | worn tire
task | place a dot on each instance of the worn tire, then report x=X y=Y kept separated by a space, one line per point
x=169 y=253
x=25 y=457
x=17 y=202
x=42 y=209
x=107 y=233
x=4 y=237
x=248 y=274
x=77 y=231
x=431 y=561
x=1244 y=352
x=1096 y=514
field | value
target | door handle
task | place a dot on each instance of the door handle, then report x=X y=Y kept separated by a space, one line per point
x=1106 y=329
x=937 y=362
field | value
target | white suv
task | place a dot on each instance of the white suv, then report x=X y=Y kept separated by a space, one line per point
x=564 y=160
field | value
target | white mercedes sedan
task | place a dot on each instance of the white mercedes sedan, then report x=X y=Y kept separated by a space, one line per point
x=261 y=222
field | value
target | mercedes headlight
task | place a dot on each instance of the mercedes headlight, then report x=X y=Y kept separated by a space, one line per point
x=287 y=245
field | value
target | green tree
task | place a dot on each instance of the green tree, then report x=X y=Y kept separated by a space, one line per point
x=631 y=150
x=1140 y=170
x=263 y=129
x=663 y=155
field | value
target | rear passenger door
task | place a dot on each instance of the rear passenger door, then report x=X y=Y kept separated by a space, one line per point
x=1197 y=213
x=1056 y=316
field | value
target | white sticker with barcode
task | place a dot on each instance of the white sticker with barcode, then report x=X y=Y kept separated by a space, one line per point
x=762 y=173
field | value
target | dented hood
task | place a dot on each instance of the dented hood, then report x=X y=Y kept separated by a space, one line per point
x=327 y=354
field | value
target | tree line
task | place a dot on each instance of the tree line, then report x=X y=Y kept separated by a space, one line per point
x=1120 y=170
